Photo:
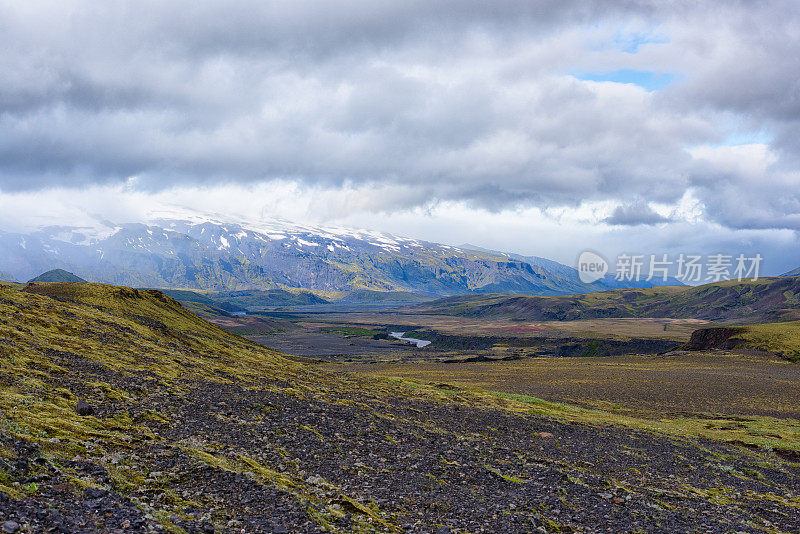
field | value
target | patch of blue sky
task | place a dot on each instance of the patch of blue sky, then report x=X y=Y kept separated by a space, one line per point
x=758 y=137
x=649 y=80
x=737 y=130
x=630 y=42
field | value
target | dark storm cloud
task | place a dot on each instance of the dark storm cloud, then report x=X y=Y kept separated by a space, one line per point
x=467 y=100
x=635 y=214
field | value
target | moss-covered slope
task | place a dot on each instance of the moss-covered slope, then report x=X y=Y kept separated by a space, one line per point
x=782 y=338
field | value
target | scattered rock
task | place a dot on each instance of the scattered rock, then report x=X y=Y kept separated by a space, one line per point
x=95 y=493
x=84 y=408
x=10 y=527
x=397 y=461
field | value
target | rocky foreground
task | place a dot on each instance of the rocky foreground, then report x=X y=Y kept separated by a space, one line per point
x=172 y=438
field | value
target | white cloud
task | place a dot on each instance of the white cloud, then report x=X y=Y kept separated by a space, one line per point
x=746 y=161
x=379 y=112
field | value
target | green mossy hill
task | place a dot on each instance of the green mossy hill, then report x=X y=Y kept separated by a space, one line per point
x=204 y=299
x=206 y=311
x=365 y=296
x=782 y=339
x=59 y=275
x=185 y=295
x=113 y=346
x=121 y=328
x=763 y=300
x=269 y=298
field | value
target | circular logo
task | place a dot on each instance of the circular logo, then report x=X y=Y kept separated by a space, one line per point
x=591 y=267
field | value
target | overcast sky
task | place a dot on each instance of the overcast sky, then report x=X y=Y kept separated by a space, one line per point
x=539 y=127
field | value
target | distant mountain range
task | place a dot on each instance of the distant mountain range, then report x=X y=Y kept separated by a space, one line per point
x=764 y=300
x=205 y=254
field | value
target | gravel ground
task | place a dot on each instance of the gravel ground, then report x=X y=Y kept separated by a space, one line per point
x=281 y=457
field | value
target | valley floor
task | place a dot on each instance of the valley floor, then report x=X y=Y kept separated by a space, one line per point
x=754 y=384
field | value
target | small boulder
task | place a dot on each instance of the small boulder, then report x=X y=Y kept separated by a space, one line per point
x=444 y=530
x=10 y=527
x=84 y=408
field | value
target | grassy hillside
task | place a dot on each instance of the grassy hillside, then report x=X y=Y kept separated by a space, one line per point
x=187 y=295
x=250 y=299
x=272 y=297
x=117 y=327
x=765 y=299
x=58 y=275
x=365 y=296
x=242 y=300
x=120 y=410
x=782 y=339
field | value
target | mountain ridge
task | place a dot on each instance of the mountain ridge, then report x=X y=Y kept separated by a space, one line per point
x=766 y=299
x=205 y=254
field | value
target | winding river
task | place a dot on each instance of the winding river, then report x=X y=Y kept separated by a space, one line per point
x=419 y=342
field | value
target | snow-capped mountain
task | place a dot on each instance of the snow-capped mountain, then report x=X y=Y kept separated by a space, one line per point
x=202 y=253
